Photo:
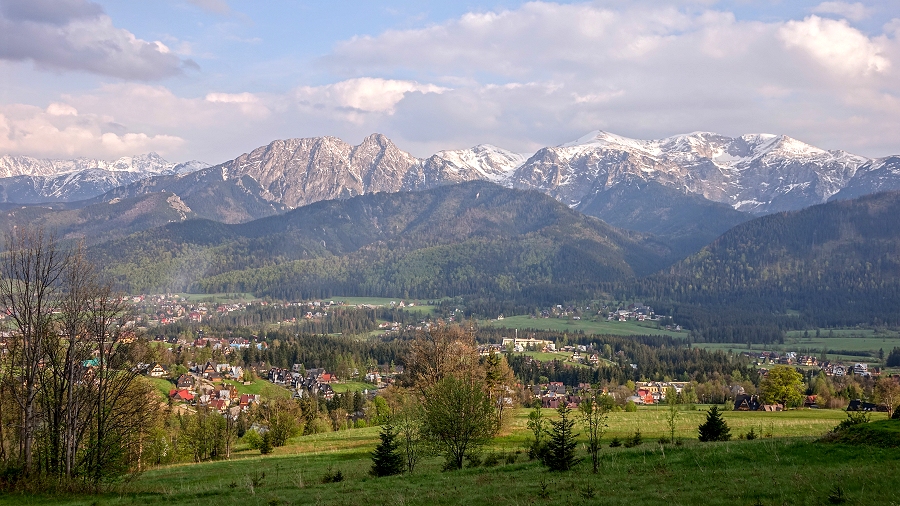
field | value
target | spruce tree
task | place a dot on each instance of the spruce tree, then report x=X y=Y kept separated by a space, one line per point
x=560 y=453
x=715 y=428
x=386 y=458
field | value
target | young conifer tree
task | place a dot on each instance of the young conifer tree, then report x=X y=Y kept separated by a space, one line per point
x=560 y=454
x=715 y=428
x=386 y=458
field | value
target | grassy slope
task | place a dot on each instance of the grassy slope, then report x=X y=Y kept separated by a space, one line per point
x=772 y=471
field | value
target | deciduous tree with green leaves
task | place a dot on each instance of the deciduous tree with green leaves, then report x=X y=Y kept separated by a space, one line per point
x=783 y=385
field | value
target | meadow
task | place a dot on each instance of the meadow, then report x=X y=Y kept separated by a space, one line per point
x=790 y=467
x=602 y=327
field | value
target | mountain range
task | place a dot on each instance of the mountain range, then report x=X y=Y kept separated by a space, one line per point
x=26 y=180
x=687 y=189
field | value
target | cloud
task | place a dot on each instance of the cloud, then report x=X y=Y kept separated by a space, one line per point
x=523 y=78
x=546 y=72
x=364 y=94
x=75 y=35
x=60 y=132
x=835 y=44
x=852 y=11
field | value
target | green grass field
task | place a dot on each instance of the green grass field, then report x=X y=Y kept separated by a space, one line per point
x=788 y=468
x=629 y=328
x=163 y=386
x=816 y=345
x=352 y=386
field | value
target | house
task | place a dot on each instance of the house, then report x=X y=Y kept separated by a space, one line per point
x=745 y=402
x=219 y=405
x=181 y=395
x=157 y=371
x=185 y=381
x=859 y=405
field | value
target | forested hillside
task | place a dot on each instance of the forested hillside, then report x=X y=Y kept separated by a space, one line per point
x=834 y=264
x=463 y=239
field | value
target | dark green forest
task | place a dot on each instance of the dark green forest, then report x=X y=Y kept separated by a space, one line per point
x=501 y=251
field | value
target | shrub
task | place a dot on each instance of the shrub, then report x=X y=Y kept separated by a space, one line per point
x=473 y=459
x=511 y=458
x=491 y=460
x=853 y=418
x=615 y=443
x=715 y=428
x=896 y=415
x=635 y=440
x=630 y=407
x=332 y=476
x=751 y=435
x=253 y=439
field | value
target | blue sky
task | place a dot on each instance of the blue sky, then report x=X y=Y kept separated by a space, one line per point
x=211 y=79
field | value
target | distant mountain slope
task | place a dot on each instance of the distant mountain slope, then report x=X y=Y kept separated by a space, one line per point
x=101 y=221
x=474 y=237
x=687 y=220
x=26 y=180
x=836 y=264
x=210 y=193
x=757 y=173
x=878 y=175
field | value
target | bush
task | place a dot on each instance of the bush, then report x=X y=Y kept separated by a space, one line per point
x=630 y=407
x=853 y=418
x=253 y=439
x=511 y=458
x=635 y=440
x=896 y=415
x=491 y=460
x=332 y=476
x=615 y=443
x=751 y=435
x=715 y=428
x=473 y=459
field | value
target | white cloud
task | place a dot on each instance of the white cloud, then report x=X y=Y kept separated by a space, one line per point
x=76 y=35
x=366 y=94
x=57 y=109
x=524 y=78
x=60 y=132
x=853 y=11
x=835 y=44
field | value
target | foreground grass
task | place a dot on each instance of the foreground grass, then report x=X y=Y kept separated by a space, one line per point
x=778 y=470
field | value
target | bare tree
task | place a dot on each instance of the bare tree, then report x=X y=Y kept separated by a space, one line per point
x=30 y=277
x=595 y=415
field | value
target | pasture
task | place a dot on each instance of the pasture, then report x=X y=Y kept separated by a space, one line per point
x=567 y=324
x=789 y=467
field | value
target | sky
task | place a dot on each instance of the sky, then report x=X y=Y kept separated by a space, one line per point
x=212 y=79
